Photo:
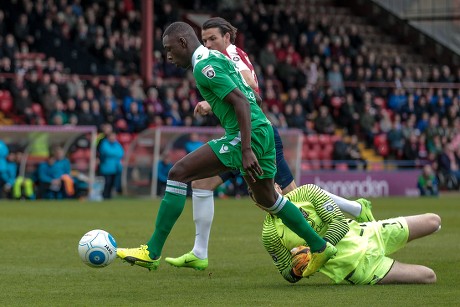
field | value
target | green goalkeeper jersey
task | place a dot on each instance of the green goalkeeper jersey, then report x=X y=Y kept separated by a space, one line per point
x=216 y=76
x=328 y=221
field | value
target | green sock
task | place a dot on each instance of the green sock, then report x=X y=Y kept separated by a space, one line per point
x=171 y=208
x=294 y=220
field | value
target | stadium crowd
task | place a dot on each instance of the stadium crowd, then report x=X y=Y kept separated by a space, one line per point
x=316 y=72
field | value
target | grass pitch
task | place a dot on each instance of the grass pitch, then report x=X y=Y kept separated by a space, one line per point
x=40 y=264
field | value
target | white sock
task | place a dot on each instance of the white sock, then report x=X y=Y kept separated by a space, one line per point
x=351 y=207
x=203 y=213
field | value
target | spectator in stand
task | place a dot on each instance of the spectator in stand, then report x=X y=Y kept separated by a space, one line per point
x=348 y=115
x=154 y=100
x=422 y=149
x=136 y=95
x=97 y=114
x=164 y=165
x=172 y=116
x=4 y=153
x=70 y=107
x=397 y=99
x=85 y=116
x=8 y=177
x=193 y=142
x=17 y=187
x=335 y=79
x=297 y=119
x=324 y=124
x=110 y=166
x=23 y=104
x=444 y=130
x=185 y=109
x=354 y=154
x=408 y=128
x=111 y=114
x=396 y=138
x=427 y=182
x=59 y=111
x=49 y=98
x=267 y=56
x=449 y=162
x=411 y=148
x=385 y=123
x=367 y=123
x=54 y=180
x=10 y=47
x=135 y=118
x=423 y=122
x=438 y=107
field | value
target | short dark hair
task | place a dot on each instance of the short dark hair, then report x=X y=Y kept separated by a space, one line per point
x=181 y=27
x=223 y=25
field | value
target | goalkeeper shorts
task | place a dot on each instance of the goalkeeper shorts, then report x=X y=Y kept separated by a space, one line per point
x=389 y=236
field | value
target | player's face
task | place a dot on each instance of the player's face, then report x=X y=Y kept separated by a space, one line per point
x=214 y=40
x=176 y=51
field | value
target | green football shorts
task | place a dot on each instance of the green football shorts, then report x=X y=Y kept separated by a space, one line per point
x=388 y=236
x=228 y=150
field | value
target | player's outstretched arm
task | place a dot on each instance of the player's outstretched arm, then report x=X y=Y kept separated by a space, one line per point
x=243 y=113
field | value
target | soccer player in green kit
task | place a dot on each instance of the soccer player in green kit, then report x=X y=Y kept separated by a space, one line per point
x=362 y=248
x=248 y=145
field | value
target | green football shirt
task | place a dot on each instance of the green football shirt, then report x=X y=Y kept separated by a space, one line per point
x=328 y=221
x=216 y=76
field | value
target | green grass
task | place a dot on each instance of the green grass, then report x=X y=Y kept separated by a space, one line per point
x=40 y=265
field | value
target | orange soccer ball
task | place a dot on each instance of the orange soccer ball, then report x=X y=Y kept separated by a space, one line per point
x=301 y=255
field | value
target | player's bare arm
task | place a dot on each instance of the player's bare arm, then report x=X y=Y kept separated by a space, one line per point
x=243 y=113
x=247 y=75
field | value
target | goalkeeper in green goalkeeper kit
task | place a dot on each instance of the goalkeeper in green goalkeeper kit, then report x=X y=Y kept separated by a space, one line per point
x=362 y=248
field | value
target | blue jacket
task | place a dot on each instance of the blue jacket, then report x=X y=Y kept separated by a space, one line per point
x=46 y=172
x=110 y=155
x=163 y=170
x=10 y=174
x=4 y=151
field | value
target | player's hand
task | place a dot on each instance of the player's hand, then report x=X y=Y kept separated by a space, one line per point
x=251 y=165
x=202 y=108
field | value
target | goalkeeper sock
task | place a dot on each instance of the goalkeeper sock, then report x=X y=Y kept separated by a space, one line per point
x=203 y=214
x=171 y=208
x=349 y=206
x=294 y=220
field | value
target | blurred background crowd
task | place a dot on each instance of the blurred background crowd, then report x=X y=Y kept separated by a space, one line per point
x=356 y=92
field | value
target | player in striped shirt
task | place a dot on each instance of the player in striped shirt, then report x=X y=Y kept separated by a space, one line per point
x=218 y=34
x=363 y=248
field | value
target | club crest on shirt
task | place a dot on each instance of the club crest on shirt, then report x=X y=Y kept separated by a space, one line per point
x=274 y=257
x=328 y=206
x=208 y=71
x=236 y=58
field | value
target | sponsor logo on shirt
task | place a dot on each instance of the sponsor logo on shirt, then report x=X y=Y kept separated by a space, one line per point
x=328 y=206
x=208 y=71
x=236 y=58
x=224 y=149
